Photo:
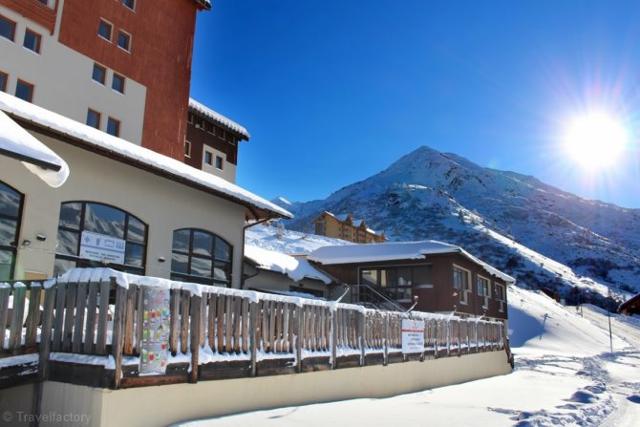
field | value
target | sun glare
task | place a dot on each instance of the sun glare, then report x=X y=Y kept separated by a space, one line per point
x=595 y=140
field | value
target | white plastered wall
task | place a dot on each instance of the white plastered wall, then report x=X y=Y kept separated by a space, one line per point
x=228 y=171
x=63 y=83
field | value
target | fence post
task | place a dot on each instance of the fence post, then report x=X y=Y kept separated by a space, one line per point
x=386 y=339
x=118 y=326
x=253 y=332
x=196 y=306
x=299 y=333
x=362 y=324
x=448 y=331
x=45 y=336
x=334 y=337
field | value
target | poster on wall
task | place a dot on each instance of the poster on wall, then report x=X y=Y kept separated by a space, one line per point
x=103 y=248
x=154 y=347
x=412 y=336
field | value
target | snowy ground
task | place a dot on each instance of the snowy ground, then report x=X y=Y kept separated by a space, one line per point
x=565 y=375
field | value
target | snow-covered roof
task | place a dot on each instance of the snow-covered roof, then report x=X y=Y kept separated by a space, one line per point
x=218 y=118
x=296 y=268
x=102 y=142
x=38 y=158
x=374 y=252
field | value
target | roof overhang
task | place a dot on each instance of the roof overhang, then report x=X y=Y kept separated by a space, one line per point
x=203 y=4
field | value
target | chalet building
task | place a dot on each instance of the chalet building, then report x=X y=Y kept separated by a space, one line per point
x=121 y=66
x=278 y=273
x=439 y=276
x=212 y=141
x=122 y=206
x=345 y=227
x=631 y=306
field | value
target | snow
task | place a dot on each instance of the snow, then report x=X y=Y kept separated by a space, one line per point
x=19 y=143
x=373 y=252
x=564 y=376
x=219 y=118
x=99 y=140
x=287 y=241
x=296 y=268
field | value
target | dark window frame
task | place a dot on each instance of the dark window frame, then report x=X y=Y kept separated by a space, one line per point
x=13 y=24
x=118 y=126
x=3 y=87
x=208 y=157
x=104 y=21
x=104 y=76
x=124 y=82
x=190 y=254
x=13 y=249
x=37 y=38
x=396 y=289
x=219 y=160
x=187 y=148
x=98 y=113
x=30 y=85
x=133 y=5
x=83 y=262
x=128 y=36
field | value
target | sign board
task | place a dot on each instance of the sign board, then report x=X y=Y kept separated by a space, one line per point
x=412 y=336
x=103 y=248
x=154 y=347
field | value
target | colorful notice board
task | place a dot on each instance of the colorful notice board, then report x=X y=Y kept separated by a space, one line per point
x=154 y=348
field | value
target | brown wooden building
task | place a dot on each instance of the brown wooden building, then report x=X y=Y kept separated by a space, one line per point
x=631 y=306
x=212 y=141
x=443 y=277
x=345 y=227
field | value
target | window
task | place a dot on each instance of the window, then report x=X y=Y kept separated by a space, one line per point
x=113 y=126
x=208 y=157
x=124 y=40
x=99 y=73
x=10 y=216
x=81 y=221
x=395 y=282
x=117 y=83
x=105 y=29
x=24 y=90
x=7 y=28
x=93 y=118
x=131 y=4
x=501 y=297
x=219 y=163
x=462 y=282
x=187 y=149
x=4 y=78
x=484 y=290
x=32 y=40
x=201 y=257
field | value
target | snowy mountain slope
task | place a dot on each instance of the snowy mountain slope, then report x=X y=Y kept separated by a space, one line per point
x=514 y=221
x=287 y=241
x=564 y=376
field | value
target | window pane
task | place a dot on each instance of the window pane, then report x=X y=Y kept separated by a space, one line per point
x=223 y=250
x=134 y=255
x=104 y=220
x=219 y=162
x=222 y=271
x=181 y=240
x=118 y=83
x=9 y=201
x=179 y=263
x=6 y=261
x=104 y=29
x=369 y=277
x=202 y=243
x=93 y=119
x=404 y=277
x=62 y=265
x=422 y=275
x=24 y=91
x=32 y=41
x=129 y=3
x=136 y=232
x=113 y=127
x=3 y=82
x=123 y=40
x=70 y=215
x=7 y=28
x=99 y=73
x=67 y=242
x=8 y=229
x=201 y=267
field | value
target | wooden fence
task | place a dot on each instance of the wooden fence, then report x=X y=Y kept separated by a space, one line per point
x=87 y=327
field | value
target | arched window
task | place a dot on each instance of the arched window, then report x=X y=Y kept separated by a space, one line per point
x=93 y=234
x=201 y=257
x=10 y=216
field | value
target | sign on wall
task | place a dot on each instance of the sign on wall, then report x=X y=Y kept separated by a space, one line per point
x=103 y=248
x=154 y=348
x=412 y=336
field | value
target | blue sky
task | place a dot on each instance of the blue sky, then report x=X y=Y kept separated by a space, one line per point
x=334 y=91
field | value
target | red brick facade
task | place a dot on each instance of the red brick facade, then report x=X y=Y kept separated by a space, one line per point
x=35 y=11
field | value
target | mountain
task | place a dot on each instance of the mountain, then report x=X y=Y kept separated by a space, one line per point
x=545 y=237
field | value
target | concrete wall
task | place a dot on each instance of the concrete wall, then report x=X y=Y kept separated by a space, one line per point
x=162 y=405
x=63 y=83
x=162 y=204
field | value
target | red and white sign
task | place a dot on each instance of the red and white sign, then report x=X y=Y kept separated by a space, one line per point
x=412 y=336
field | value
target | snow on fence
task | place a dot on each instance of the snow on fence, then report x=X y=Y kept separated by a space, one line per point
x=96 y=317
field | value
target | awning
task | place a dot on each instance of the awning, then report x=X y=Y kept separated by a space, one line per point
x=19 y=144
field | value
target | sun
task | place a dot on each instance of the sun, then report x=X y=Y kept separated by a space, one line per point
x=595 y=140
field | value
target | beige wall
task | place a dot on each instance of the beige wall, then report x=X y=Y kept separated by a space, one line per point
x=162 y=204
x=72 y=92
x=163 y=405
x=228 y=171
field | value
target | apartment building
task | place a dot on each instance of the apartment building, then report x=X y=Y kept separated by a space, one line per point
x=121 y=66
x=345 y=227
